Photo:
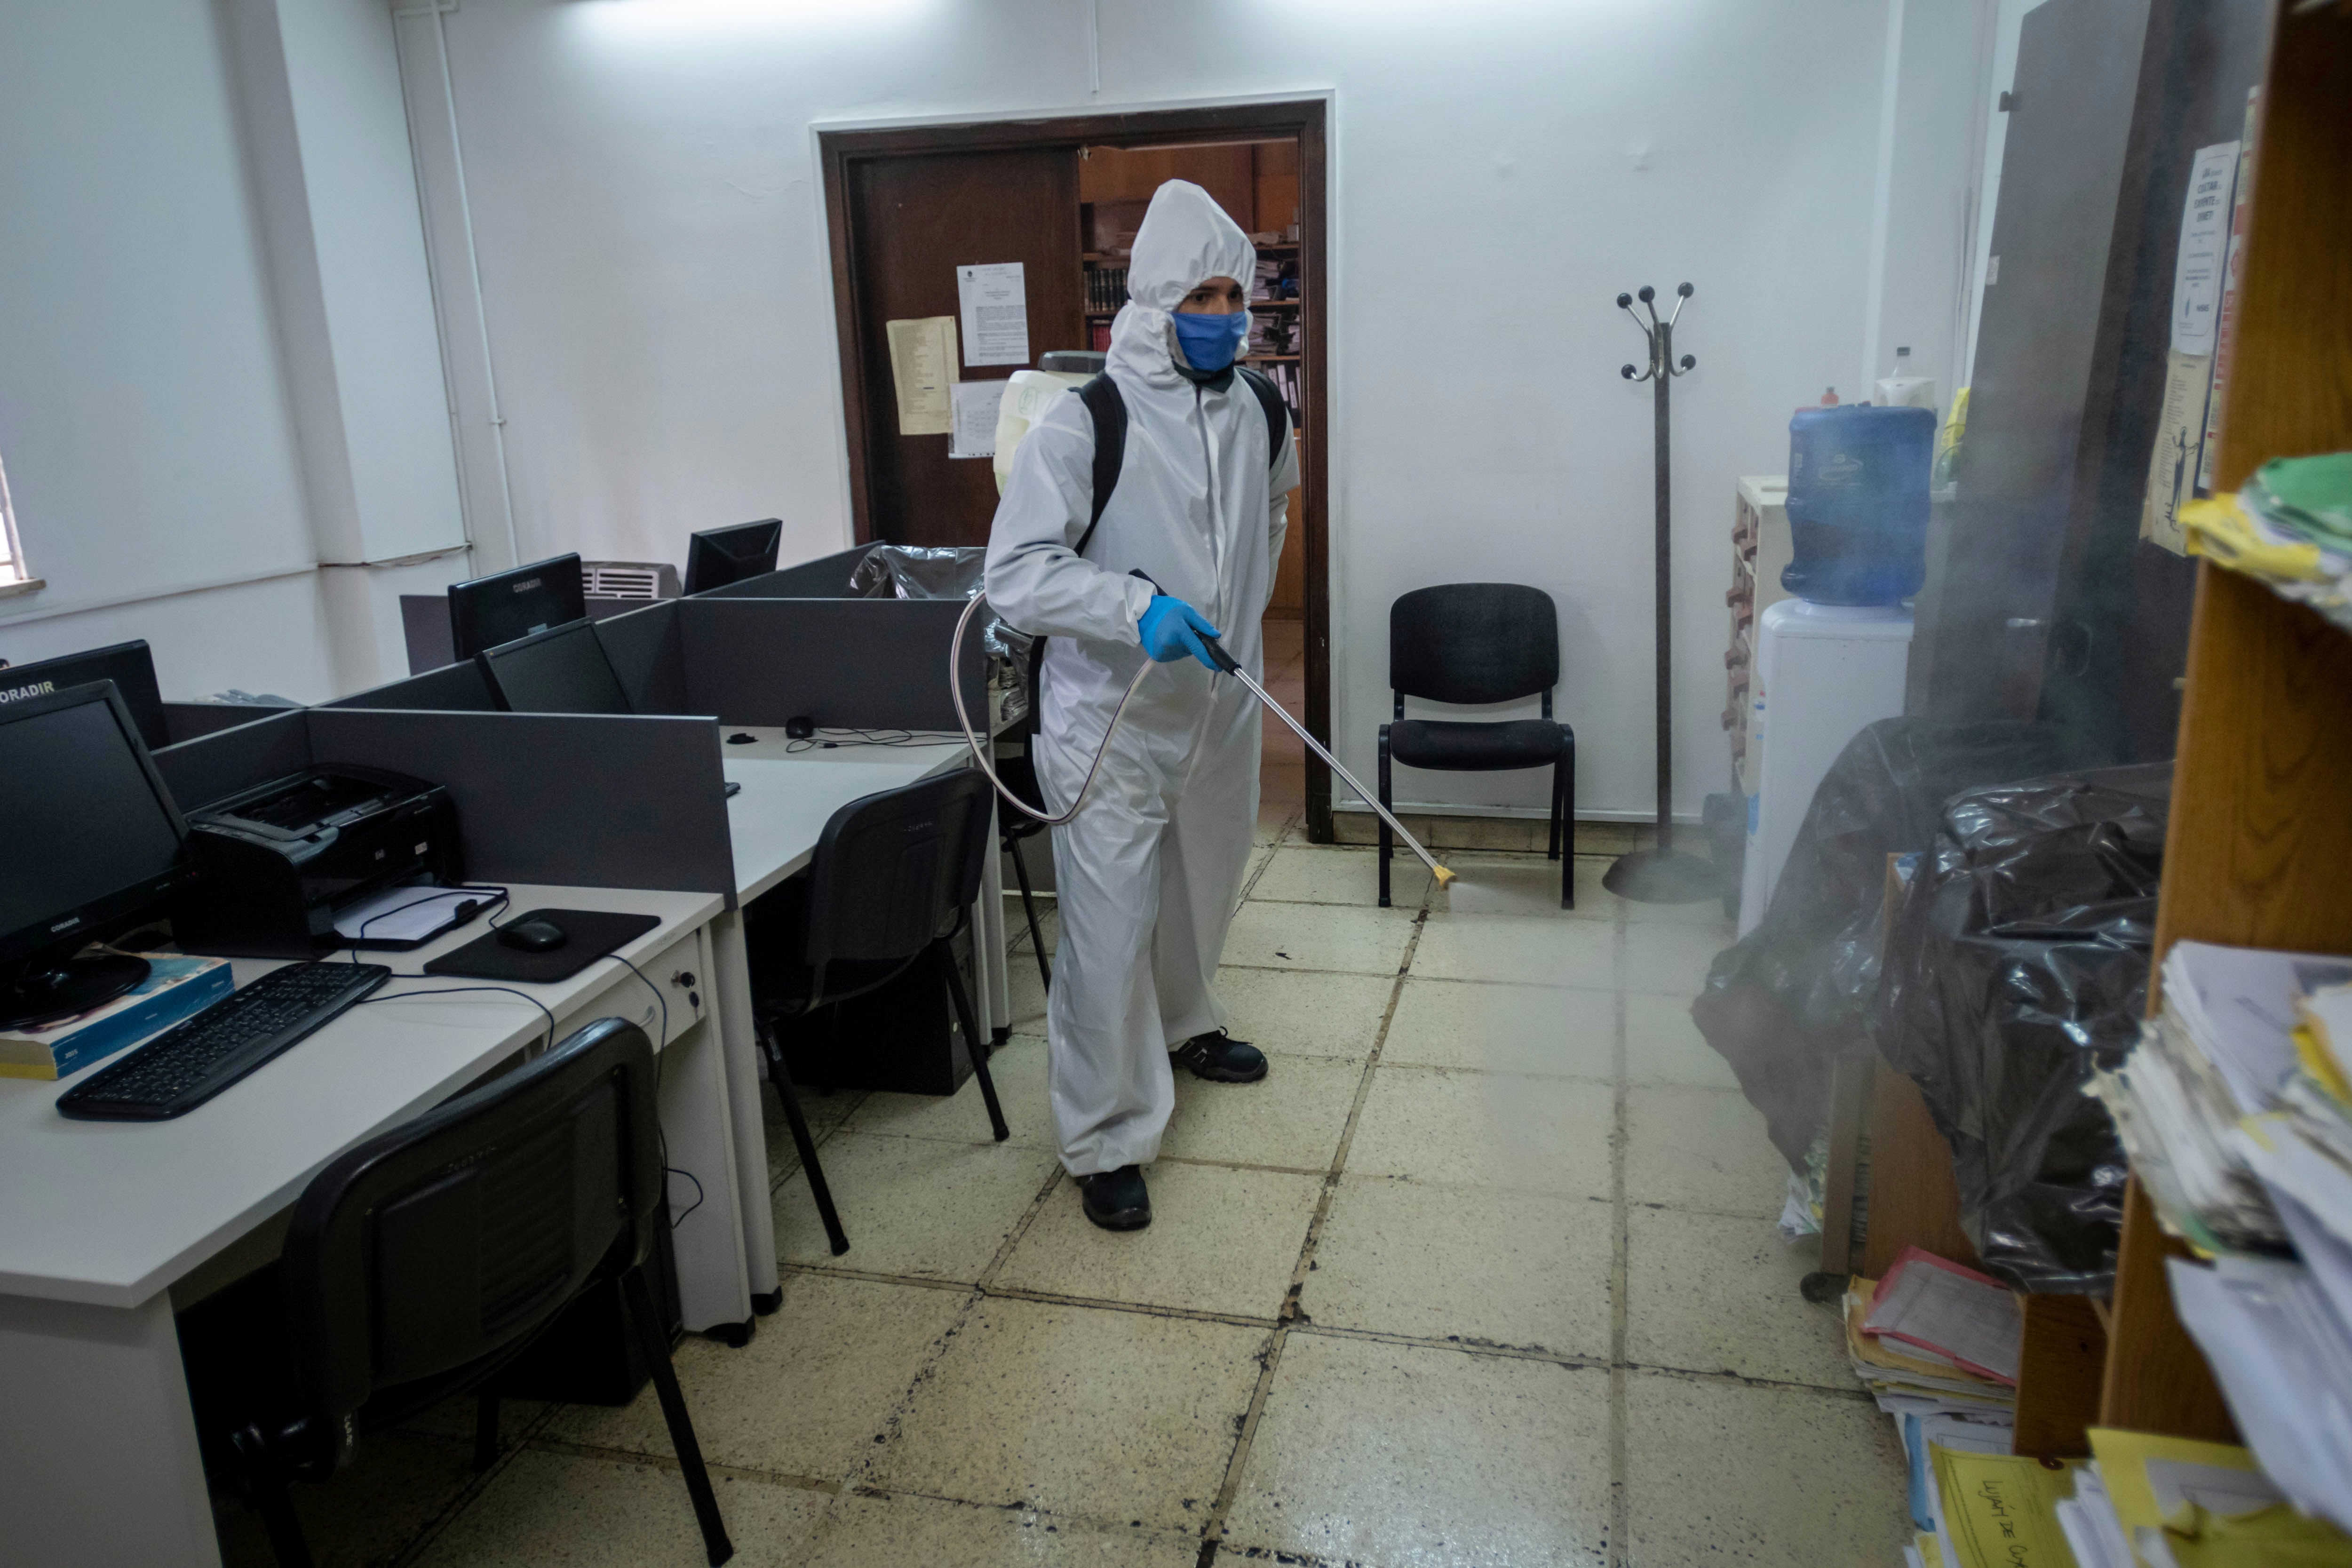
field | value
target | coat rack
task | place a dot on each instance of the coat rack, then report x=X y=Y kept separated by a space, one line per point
x=1660 y=876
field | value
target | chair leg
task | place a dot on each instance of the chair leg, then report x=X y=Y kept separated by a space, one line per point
x=1388 y=838
x=1029 y=908
x=486 y=1432
x=264 y=1480
x=655 y=1345
x=1553 y=852
x=1564 y=775
x=972 y=1047
x=782 y=1078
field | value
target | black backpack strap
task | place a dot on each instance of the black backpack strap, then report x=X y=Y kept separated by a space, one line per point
x=1109 y=411
x=1277 y=413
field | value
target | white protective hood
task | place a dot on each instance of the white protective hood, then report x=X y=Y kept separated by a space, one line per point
x=1186 y=239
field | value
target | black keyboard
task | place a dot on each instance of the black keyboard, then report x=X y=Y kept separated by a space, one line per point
x=197 y=1058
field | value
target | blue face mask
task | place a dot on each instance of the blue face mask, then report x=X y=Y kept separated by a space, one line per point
x=1210 y=343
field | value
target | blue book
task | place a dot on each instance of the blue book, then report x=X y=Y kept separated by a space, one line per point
x=176 y=988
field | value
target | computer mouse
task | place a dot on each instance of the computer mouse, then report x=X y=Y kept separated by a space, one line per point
x=532 y=936
x=742 y=738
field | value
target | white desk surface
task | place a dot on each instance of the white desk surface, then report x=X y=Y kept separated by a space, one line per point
x=111 y=1213
x=789 y=796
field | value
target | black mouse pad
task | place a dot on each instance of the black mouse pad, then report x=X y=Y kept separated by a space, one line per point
x=592 y=932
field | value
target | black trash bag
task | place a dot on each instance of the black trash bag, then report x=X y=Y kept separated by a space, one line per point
x=1794 y=995
x=949 y=572
x=2016 y=966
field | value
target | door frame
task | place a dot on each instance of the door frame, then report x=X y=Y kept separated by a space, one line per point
x=1305 y=119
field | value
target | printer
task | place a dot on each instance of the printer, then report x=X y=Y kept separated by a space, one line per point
x=280 y=860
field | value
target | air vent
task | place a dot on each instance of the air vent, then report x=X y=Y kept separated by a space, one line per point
x=628 y=580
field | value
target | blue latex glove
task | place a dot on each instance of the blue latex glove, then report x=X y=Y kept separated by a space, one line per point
x=1172 y=629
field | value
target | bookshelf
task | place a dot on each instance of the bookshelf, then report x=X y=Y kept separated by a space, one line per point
x=2259 y=836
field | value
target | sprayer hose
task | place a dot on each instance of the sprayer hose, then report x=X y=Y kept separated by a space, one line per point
x=980 y=752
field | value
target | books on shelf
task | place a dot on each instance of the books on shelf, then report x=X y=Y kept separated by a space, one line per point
x=1106 y=288
x=2234 y=1109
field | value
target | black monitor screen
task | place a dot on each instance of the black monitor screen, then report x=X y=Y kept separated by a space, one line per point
x=129 y=664
x=500 y=609
x=717 y=556
x=88 y=826
x=564 y=670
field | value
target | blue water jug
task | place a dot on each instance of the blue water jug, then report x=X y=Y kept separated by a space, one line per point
x=1858 y=503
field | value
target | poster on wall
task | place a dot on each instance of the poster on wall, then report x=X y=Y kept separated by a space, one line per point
x=923 y=371
x=2225 y=328
x=976 y=403
x=996 y=309
x=2178 y=461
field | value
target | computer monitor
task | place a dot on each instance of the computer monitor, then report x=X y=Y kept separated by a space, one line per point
x=126 y=664
x=717 y=556
x=506 y=606
x=562 y=669
x=93 y=839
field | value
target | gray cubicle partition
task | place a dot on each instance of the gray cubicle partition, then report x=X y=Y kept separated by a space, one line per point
x=452 y=689
x=193 y=721
x=826 y=577
x=584 y=800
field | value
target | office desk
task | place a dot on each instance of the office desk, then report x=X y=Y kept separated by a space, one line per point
x=775 y=821
x=100 y=1221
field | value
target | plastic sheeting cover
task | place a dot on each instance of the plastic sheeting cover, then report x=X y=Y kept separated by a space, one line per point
x=947 y=571
x=2017 y=964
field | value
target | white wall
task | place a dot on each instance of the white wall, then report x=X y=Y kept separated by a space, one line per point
x=156 y=340
x=651 y=245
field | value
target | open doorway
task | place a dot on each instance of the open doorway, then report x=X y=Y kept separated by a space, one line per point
x=906 y=208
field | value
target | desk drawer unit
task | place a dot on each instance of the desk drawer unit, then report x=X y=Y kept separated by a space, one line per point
x=682 y=971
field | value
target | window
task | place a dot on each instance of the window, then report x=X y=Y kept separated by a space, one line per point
x=15 y=577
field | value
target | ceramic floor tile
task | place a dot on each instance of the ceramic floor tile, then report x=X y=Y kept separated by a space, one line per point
x=926 y=1532
x=1498 y=1129
x=1541 y=1029
x=1115 y=1415
x=1361 y=826
x=1527 y=1269
x=1662 y=1045
x=1706 y=912
x=1308 y=1014
x=822 y=1112
x=1025 y=999
x=1048 y=927
x=1727 y=1472
x=806 y=1397
x=913 y=1206
x=1701 y=1149
x=1522 y=885
x=1219 y=1241
x=1334 y=874
x=395 y=1485
x=1719 y=1293
x=1018 y=1066
x=1274 y=818
x=1320 y=936
x=1385 y=1454
x=1671 y=960
x=1282 y=776
x=1514 y=834
x=603 y=1513
x=1293 y=1117
x=1527 y=949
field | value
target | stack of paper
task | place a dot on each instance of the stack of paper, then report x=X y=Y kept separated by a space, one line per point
x=2147 y=1502
x=1995 y=1511
x=1908 y=1379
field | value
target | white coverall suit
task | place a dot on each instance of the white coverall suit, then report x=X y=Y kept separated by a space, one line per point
x=1149 y=872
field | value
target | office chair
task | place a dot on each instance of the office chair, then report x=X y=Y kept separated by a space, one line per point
x=892 y=883
x=421 y=1263
x=1019 y=774
x=1480 y=642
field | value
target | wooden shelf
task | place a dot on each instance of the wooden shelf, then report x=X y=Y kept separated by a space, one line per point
x=1271 y=359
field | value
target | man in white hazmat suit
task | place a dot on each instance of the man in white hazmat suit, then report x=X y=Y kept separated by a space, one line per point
x=1147 y=873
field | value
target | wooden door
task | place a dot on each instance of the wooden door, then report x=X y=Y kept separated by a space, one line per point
x=2070 y=114
x=912 y=220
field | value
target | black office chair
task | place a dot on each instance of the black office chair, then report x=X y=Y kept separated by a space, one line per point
x=1019 y=774
x=894 y=878
x=1480 y=642
x=424 y=1261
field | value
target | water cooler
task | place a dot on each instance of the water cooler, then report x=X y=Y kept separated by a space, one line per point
x=1833 y=659
x=1821 y=672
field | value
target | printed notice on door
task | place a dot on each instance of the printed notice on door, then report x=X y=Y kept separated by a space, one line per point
x=995 y=313
x=923 y=370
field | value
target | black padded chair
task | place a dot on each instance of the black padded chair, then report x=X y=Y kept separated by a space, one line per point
x=1470 y=643
x=892 y=883
x=421 y=1263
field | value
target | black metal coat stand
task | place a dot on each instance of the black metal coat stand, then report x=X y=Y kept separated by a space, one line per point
x=1660 y=876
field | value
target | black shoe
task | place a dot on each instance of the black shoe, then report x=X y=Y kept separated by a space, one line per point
x=1117 y=1200
x=1221 y=1058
